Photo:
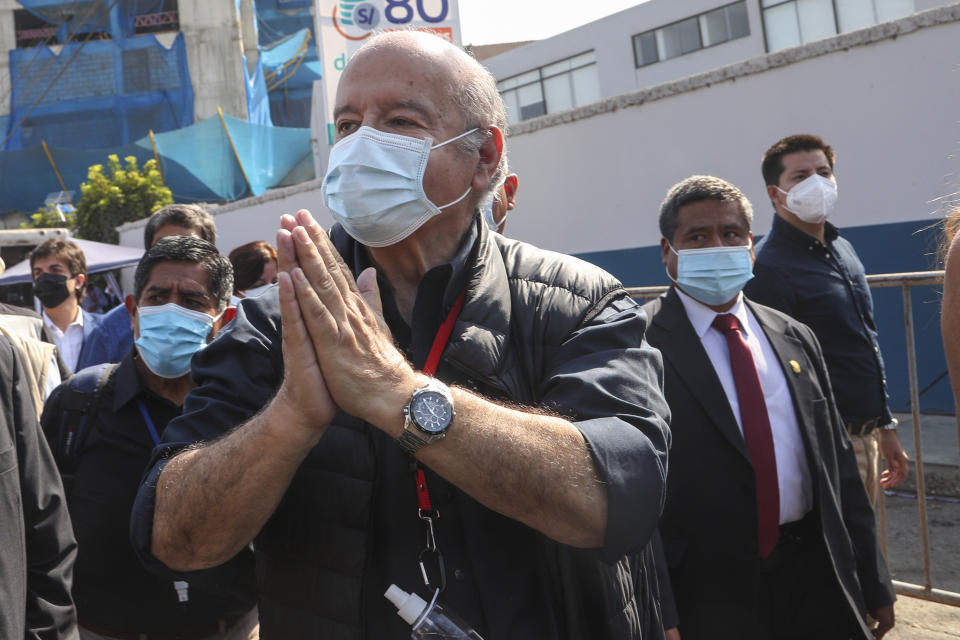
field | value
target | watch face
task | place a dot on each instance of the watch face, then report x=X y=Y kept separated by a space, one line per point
x=431 y=411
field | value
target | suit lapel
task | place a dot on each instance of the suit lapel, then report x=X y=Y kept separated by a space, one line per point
x=793 y=360
x=681 y=347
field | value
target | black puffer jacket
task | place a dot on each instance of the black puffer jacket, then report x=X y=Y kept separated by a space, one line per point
x=523 y=310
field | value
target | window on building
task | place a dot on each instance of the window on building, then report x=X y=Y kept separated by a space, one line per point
x=156 y=19
x=32 y=30
x=565 y=84
x=691 y=34
x=680 y=38
x=789 y=23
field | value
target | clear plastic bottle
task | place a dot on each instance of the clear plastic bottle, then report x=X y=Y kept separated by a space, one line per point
x=429 y=621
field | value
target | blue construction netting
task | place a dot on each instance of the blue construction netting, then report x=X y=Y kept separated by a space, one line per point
x=198 y=163
x=97 y=94
x=77 y=19
x=289 y=57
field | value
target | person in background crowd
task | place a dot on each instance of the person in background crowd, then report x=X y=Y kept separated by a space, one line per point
x=767 y=531
x=501 y=202
x=59 y=271
x=179 y=220
x=806 y=270
x=112 y=340
x=22 y=320
x=98 y=299
x=39 y=357
x=37 y=548
x=535 y=435
x=254 y=269
x=182 y=286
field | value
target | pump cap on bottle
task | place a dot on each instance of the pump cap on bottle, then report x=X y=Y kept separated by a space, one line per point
x=409 y=605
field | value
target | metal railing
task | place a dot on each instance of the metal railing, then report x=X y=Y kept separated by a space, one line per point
x=905 y=281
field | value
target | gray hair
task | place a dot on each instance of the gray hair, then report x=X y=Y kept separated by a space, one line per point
x=189 y=216
x=482 y=106
x=695 y=189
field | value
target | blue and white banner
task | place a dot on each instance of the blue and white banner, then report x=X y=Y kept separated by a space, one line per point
x=343 y=25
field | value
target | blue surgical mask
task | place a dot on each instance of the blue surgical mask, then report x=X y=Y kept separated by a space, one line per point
x=169 y=336
x=714 y=275
x=374 y=185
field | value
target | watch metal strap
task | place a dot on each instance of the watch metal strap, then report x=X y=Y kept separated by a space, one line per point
x=410 y=441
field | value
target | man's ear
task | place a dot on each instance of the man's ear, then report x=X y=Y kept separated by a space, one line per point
x=510 y=186
x=490 y=153
x=131 y=306
x=774 y=193
x=81 y=279
x=664 y=251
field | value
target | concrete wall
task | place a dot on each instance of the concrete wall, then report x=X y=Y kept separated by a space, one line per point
x=214 y=54
x=251 y=219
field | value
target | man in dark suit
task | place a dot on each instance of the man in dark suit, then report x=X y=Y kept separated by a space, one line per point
x=767 y=530
x=37 y=547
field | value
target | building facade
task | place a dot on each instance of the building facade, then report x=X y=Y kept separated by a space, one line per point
x=121 y=68
x=662 y=40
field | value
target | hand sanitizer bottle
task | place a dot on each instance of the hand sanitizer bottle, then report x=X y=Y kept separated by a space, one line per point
x=429 y=621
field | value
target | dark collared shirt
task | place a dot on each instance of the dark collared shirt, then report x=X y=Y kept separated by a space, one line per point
x=111 y=589
x=825 y=287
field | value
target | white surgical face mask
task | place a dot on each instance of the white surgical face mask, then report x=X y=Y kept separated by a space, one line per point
x=256 y=291
x=374 y=185
x=813 y=199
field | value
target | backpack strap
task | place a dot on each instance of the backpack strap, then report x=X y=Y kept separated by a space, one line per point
x=77 y=401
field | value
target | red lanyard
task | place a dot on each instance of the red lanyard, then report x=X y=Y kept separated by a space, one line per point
x=425 y=510
x=443 y=336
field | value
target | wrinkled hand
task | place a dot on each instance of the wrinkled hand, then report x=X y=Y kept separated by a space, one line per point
x=885 y=620
x=303 y=392
x=897 y=460
x=363 y=371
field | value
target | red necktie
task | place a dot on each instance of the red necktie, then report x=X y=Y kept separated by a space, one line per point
x=756 y=431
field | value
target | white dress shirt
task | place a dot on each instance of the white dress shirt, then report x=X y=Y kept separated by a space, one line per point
x=68 y=342
x=793 y=473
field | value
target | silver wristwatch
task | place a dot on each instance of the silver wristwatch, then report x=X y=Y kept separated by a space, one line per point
x=427 y=416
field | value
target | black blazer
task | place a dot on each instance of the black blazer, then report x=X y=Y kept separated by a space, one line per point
x=37 y=547
x=709 y=523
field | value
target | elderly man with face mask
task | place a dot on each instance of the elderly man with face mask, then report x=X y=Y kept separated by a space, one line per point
x=102 y=426
x=420 y=402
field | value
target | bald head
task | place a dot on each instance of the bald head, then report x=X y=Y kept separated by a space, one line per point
x=462 y=89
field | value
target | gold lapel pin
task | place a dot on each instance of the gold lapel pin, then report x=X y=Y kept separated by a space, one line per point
x=795 y=366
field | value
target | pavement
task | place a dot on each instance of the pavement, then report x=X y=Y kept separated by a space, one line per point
x=920 y=619
x=923 y=620
x=941 y=457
